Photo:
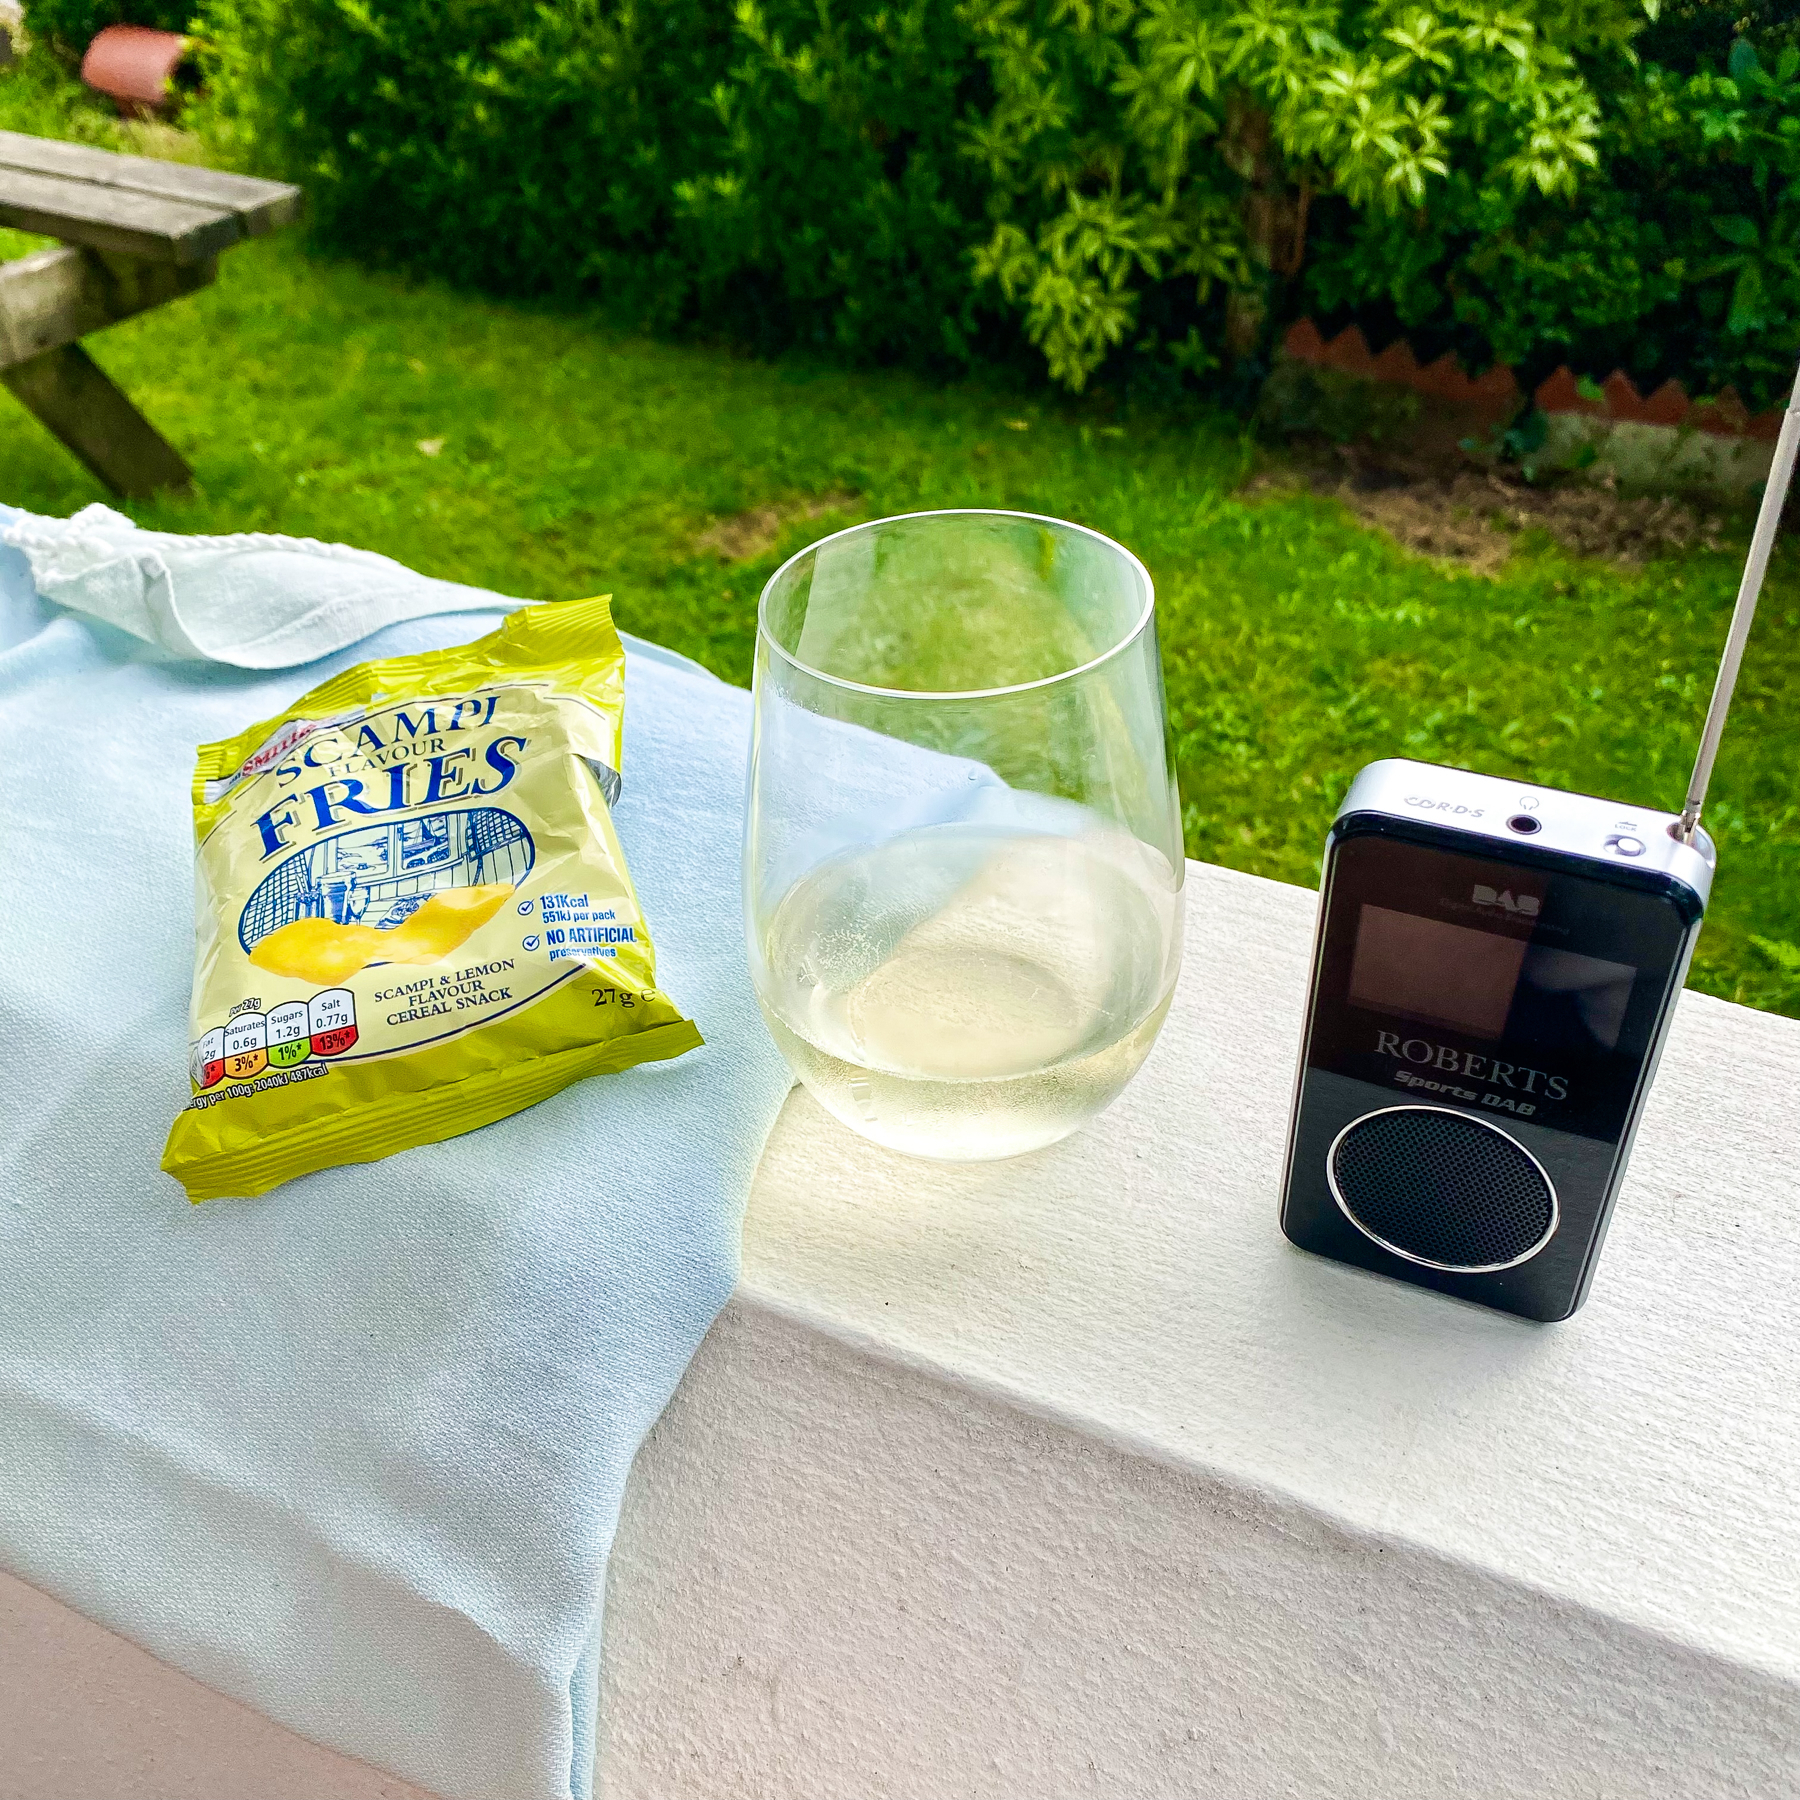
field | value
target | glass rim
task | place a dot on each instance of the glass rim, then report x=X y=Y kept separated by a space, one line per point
x=765 y=636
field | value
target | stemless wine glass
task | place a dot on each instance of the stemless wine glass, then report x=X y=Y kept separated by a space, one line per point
x=962 y=865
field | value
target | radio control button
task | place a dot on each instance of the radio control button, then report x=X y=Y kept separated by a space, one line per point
x=1624 y=845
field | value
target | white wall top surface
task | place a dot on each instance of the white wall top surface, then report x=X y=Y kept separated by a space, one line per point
x=1640 y=1461
x=1070 y=1477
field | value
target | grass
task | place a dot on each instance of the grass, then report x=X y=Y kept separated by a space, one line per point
x=545 y=455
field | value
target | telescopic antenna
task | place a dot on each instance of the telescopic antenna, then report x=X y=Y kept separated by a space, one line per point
x=1756 y=566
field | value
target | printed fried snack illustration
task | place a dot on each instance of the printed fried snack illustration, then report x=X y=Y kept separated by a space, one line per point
x=322 y=950
x=318 y=950
x=443 y=922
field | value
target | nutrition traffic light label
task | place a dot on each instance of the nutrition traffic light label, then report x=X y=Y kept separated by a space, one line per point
x=251 y=1042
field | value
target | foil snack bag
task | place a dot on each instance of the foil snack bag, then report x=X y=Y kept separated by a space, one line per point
x=412 y=911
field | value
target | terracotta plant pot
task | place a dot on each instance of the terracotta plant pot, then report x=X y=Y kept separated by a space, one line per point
x=135 y=67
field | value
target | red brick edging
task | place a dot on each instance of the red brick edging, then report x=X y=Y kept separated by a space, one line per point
x=1496 y=395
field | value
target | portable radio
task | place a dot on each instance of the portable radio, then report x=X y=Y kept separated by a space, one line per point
x=1494 y=975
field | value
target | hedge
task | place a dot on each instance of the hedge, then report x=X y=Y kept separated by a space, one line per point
x=71 y=25
x=1114 y=189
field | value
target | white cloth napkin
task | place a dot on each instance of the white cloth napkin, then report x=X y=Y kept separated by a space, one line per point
x=254 y=601
x=352 y=1452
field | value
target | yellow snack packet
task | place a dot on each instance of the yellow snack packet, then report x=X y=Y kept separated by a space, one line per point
x=413 y=914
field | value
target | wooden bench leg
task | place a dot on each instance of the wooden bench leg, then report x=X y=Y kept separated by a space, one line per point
x=76 y=399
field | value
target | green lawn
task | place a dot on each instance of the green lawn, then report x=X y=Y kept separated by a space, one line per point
x=572 y=459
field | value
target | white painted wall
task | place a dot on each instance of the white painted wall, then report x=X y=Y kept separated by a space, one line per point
x=1069 y=1476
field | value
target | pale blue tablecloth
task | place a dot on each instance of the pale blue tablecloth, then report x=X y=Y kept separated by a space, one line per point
x=352 y=1452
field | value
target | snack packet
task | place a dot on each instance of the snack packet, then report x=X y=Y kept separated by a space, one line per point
x=413 y=914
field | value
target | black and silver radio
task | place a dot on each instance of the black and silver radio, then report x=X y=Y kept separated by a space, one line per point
x=1495 y=972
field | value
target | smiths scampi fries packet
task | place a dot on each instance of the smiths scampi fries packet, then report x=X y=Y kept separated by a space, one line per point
x=412 y=910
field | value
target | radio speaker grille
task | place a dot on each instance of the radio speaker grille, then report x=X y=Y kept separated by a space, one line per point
x=1443 y=1189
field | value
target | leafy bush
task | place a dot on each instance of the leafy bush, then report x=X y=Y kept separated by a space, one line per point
x=1226 y=122
x=71 y=25
x=1679 y=258
x=1685 y=34
x=1120 y=184
x=783 y=174
x=523 y=150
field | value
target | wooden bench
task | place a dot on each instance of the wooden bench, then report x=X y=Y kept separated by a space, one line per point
x=136 y=233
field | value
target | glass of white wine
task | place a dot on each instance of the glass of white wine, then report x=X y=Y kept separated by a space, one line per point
x=963 y=863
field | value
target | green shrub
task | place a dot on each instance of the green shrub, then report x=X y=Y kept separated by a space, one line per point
x=781 y=174
x=523 y=150
x=1122 y=185
x=1679 y=258
x=1227 y=121
x=1685 y=35
x=71 y=25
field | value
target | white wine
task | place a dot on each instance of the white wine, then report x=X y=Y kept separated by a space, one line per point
x=968 y=992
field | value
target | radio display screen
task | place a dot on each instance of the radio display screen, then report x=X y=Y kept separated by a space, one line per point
x=1475 y=982
x=1529 y=989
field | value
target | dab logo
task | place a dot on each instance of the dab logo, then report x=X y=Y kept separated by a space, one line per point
x=1524 y=906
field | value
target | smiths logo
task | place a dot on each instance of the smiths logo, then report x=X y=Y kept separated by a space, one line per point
x=1524 y=906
